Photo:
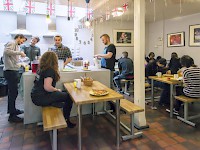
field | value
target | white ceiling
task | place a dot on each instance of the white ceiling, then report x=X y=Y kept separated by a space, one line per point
x=164 y=9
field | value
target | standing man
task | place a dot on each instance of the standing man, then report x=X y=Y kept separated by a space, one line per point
x=62 y=51
x=31 y=50
x=125 y=66
x=11 y=74
x=108 y=56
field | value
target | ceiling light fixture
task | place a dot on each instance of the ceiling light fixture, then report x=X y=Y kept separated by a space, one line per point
x=117 y=12
x=68 y=18
x=48 y=19
x=87 y=23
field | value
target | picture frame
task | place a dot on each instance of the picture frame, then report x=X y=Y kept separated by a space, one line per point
x=123 y=37
x=176 y=39
x=194 y=35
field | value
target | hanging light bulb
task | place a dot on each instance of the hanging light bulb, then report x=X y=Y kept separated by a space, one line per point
x=87 y=23
x=48 y=19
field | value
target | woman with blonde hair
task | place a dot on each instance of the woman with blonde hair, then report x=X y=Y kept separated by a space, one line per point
x=44 y=92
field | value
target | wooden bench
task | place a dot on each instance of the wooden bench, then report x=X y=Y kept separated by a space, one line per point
x=130 y=108
x=53 y=120
x=186 y=100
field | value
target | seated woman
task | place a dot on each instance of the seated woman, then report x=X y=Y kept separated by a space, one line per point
x=191 y=81
x=174 y=64
x=44 y=92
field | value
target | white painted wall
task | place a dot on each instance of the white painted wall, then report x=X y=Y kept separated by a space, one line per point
x=36 y=24
x=107 y=27
x=162 y=28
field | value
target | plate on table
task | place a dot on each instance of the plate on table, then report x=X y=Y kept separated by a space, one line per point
x=178 y=79
x=95 y=92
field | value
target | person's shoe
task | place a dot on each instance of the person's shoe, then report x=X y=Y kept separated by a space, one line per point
x=15 y=119
x=120 y=91
x=175 y=112
x=18 y=112
x=58 y=105
x=70 y=124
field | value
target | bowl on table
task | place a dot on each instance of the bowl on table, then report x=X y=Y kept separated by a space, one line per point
x=88 y=81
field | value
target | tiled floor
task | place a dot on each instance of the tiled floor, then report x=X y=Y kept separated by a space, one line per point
x=99 y=133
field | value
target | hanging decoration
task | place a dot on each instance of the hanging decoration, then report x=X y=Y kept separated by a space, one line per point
x=107 y=15
x=89 y=14
x=101 y=19
x=125 y=6
x=8 y=5
x=50 y=8
x=71 y=10
x=154 y=10
x=29 y=7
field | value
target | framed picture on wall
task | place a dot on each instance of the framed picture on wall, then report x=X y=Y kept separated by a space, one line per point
x=176 y=39
x=194 y=39
x=123 y=37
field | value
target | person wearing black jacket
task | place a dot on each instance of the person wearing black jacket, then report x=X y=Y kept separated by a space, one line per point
x=151 y=70
x=174 y=64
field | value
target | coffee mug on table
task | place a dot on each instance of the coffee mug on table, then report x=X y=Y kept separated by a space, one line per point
x=175 y=76
x=159 y=74
x=77 y=83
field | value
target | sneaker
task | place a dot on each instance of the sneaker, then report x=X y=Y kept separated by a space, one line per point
x=18 y=112
x=175 y=112
x=15 y=119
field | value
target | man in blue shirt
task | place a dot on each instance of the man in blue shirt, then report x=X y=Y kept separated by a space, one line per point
x=108 y=56
x=125 y=65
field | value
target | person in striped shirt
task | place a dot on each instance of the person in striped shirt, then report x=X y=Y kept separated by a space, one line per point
x=191 y=80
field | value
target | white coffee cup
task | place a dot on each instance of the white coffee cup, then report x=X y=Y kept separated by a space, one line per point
x=175 y=76
x=159 y=74
x=78 y=83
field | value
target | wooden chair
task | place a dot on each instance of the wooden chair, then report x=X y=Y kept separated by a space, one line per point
x=53 y=120
x=186 y=100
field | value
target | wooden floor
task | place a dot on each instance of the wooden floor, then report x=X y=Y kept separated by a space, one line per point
x=99 y=133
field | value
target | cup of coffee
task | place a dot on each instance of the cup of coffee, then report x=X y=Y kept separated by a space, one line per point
x=77 y=83
x=175 y=76
x=159 y=74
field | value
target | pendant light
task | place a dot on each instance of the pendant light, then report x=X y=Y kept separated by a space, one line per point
x=87 y=23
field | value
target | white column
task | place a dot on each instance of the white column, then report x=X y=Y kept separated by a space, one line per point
x=139 y=54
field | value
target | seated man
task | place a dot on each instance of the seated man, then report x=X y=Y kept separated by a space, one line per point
x=151 y=70
x=125 y=65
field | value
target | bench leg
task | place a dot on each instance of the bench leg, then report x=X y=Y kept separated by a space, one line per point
x=132 y=134
x=79 y=126
x=185 y=119
x=152 y=95
x=53 y=136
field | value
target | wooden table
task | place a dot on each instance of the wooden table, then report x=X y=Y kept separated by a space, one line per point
x=169 y=80
x=82 y=96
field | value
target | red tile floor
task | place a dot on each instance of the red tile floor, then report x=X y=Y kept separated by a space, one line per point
x=99 y=133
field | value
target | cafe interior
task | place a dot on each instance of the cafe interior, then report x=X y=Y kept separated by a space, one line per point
x=105 y=118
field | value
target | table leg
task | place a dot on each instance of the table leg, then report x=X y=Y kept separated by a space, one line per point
x=171 y=100
x=79 y=126
x=117 y=122
x=152 y=95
